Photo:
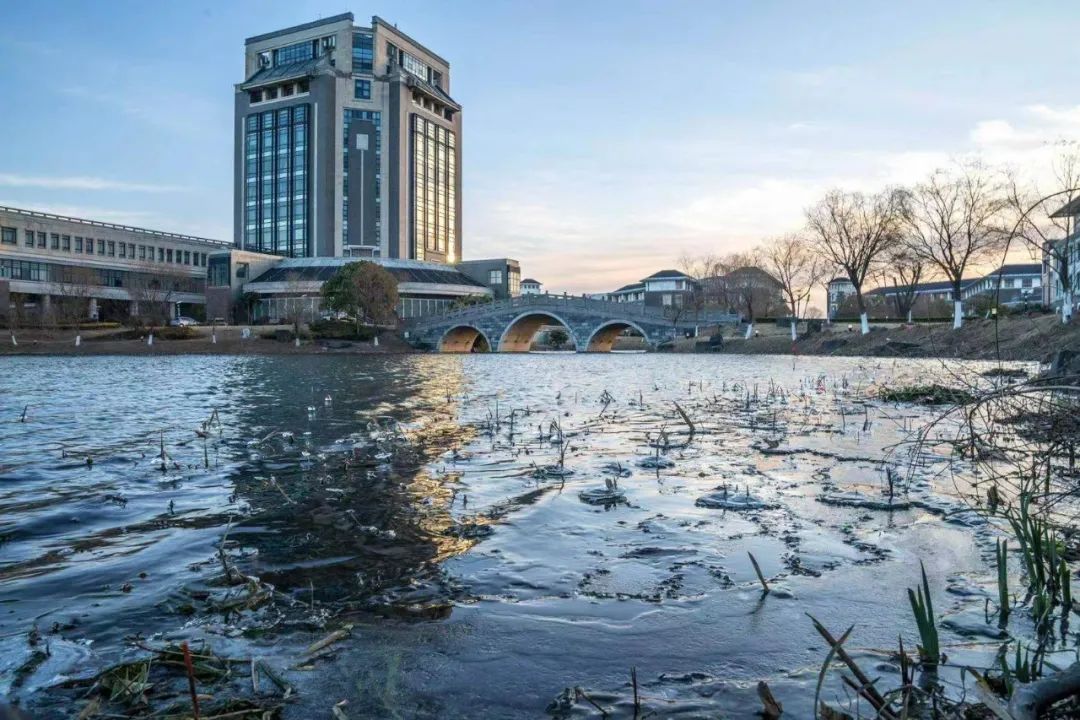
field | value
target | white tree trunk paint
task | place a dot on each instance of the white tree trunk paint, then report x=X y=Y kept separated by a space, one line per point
x=909 y=316
x=213 y=338
x=150 y=339
x=297 y=341
x=794 y=330
x=865 y=322
x=1066 y=306
x=78 y=340
x=13 y=340
x=749 y=330
x=376 y=342
x=958 y=314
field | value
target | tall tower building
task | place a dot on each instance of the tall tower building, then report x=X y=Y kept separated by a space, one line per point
x=348 y=143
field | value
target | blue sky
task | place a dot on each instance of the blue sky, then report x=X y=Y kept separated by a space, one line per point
x=601 y=140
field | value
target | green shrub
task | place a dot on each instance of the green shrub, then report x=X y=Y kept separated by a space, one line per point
x=341 y=330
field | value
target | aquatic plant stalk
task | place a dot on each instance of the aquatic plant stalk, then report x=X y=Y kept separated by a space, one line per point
x=923 y=608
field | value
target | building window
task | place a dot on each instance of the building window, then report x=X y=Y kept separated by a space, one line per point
x=433 y=214
x=78 y=244
x=495 y=277
x=297 y=52
x=112 y=248
x=168 y=255
x=123 y=250
x=161 y=254
x=187 y=257
x=8 y=236
x=29 y=235
x=54 y=241
x=41 y=239
x=415 y=66
x=362 y=89
x=276 y=162
x=363 y=52
x=89 y=246
x=65 y=243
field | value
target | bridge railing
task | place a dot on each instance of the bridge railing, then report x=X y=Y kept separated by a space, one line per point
x=627 y=311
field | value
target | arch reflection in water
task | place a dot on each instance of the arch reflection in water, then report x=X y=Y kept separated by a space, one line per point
x=604 y=337
x=464 y=339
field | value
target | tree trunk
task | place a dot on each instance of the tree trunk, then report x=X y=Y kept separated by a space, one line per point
x=958 y=314
x=794 y=330
x=1066 y=305
x=749 y=329
x=909 y=316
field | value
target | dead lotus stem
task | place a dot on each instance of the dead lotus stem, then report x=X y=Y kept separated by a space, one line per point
x=760 y=577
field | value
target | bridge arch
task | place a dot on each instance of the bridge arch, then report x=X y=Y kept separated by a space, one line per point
x=464 y=339
x=603 y=337
x=519 y=332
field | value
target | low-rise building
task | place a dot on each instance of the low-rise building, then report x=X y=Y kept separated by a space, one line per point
x=839 y=289
x=75 y=269
x=1020 y=283
x=668 y=288
x=531 y=287
x=501 y=275
x=634 y=292
x=253 y=287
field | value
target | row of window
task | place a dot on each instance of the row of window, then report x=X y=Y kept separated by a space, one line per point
x=433 y=212
x=33 y=271
x=297 y=52
x=107 y=248
x=276 y=162
x=275 y=92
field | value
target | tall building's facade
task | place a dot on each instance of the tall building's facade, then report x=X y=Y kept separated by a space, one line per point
x=348 y=143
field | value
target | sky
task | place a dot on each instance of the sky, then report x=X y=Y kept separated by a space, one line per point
x=602 y=140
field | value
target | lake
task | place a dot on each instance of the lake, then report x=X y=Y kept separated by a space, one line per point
x=421 y=500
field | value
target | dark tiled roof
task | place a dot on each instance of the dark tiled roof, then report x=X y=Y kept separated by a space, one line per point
x=666 y=274
x=631 y=286
x=1018 y=269
x=839 y=280
x=530 y=280
x=936 y=286
x=1069 y=209
x=322 y=273
x=431 y=89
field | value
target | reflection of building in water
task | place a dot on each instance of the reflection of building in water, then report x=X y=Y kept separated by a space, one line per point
x=361 y=494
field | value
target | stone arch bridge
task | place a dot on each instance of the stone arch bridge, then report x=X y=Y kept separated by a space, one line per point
x=593 y=325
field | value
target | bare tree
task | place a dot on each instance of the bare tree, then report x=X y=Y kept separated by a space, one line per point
x=75 y=289
x=797 y=268
x=903 y=269
x=706 y=271
x=851 y=232
x=954 y=220
x=1047 y=223
x=153 y=290
x=747 y=288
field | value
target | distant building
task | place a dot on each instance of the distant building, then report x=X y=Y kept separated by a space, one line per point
x=1019 y=284
x=732 y=290
x=668 y=288
x=634 y=292
x=347 y=143
x=54 y=265
x=531 y=287
x=501 y=275
x=1065 y=249
x=839 y=290
x=254 y=287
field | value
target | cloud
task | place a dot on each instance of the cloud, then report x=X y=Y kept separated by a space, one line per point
x=81 y=183
x=585 y=231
